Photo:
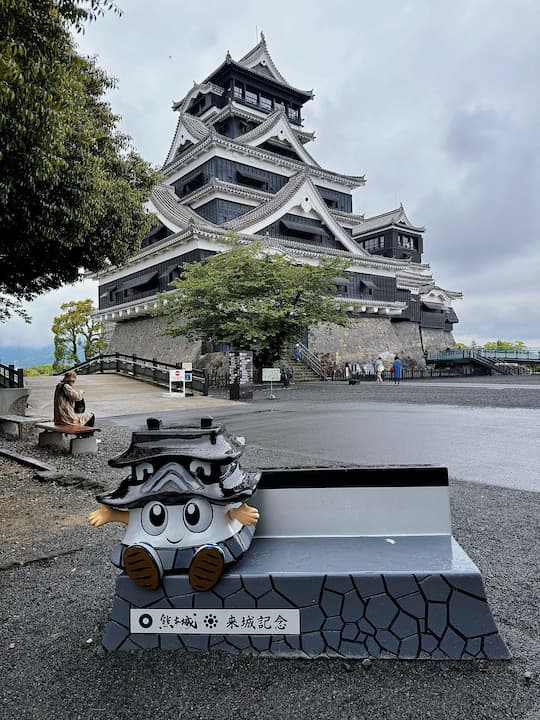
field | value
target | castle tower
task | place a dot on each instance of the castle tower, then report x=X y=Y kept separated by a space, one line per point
x=238 y=162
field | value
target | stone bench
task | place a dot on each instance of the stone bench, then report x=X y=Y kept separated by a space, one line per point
x=354 y=562
x=77 y=439
x=18 y=427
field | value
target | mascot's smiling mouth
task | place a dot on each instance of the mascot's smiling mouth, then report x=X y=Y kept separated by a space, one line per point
x=174 y=541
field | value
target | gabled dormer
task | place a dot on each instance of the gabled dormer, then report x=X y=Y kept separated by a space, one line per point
x=297 y=212
x=189 y=131
x=391 y=234
x=276 y=134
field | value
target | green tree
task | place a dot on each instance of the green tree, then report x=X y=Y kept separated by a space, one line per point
x=252 y=299
x=9 y=307
x=75 y=328
x=505 y=346
x=71 y=186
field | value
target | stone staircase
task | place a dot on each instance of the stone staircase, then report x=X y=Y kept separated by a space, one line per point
x=302 y=372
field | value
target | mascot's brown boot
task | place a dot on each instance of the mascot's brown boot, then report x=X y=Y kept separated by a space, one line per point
x=142 y=567
x=206 y=568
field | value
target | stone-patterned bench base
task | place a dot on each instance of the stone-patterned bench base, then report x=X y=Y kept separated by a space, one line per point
x=401 y=597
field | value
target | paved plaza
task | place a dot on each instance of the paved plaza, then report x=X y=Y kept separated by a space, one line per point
x=61 y=582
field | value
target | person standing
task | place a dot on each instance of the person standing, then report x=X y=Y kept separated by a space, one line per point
x=397 y=367
x=65 y=399
x=379 y=369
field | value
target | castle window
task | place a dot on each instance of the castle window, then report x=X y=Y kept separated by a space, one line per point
x=367 y=287
x=252 y=96
x=331 y=203
x=266 y=102
x=294 y=113
x=375 y=243
x=256 y=180
x=405 y=241
x=342 y=286
x=238 y=91
x=193 y=184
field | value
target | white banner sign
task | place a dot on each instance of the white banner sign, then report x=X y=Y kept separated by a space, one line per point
x=213 y=621
x=271 y=374
x=177 y=375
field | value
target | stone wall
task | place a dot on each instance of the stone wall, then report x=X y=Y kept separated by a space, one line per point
x=366 y=339
x=437 y=340
x=411 y=340
x=141 y=337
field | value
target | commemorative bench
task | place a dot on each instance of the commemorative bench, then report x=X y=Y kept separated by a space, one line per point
x=349 y=562
x=18 y=427
x=77 y=439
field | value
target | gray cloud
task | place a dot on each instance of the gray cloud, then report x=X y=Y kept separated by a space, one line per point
x=438 y=103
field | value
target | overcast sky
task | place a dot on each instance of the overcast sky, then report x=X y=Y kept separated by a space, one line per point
x=438 y=103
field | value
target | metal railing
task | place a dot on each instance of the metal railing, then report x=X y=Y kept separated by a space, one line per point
x=152 y=370
x=406 y=374
x=311 y=360
x=506 y=363
x=528 y=355
x=11 y=377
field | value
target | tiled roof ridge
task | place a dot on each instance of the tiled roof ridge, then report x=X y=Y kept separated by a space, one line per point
x=270 y=206
x=347 y=180
x=271 y=121
x=244 y=112
x=261 y=52
x=168 y=203
x=389 y=217
x=206 y=86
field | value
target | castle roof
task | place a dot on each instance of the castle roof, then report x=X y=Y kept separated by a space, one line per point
x=276 y=126
x=237 y=109
x=384 y=220
x=241 y=148
x=258 y=60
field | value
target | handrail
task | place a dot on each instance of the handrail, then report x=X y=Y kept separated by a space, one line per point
x=151 y=369
x=531 y=354
x=482 y=357
x=311 y=360
x=11 y=377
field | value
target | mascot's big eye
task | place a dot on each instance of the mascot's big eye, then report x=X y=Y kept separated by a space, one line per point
x=198 y=515
x=154 y=518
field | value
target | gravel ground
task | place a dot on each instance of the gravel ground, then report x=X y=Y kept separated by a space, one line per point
x=61 y=585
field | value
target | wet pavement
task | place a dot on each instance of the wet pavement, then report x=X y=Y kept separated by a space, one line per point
x=370 y=425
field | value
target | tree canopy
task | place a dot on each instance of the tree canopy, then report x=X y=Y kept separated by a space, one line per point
x=252 y=299
x=75 y=328
x=506 y=346
x=72 y=188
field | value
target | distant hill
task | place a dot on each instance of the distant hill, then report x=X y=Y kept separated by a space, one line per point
x=24 y=357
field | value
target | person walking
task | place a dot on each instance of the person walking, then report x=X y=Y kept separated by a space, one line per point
x=397 y=367
x=69 y=403
x=379 y=369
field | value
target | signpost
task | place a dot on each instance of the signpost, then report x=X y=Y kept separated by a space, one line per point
x=178 y=375
x=271 y=375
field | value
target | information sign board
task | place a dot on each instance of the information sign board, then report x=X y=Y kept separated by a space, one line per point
x=271 y=374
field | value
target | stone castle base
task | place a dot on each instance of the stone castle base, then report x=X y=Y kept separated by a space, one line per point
x=362 y=342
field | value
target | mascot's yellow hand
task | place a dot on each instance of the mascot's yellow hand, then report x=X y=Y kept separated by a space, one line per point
x=99 y=517
x=245 y=514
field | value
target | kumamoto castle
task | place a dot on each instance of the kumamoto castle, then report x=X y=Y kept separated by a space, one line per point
x=238 y=162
